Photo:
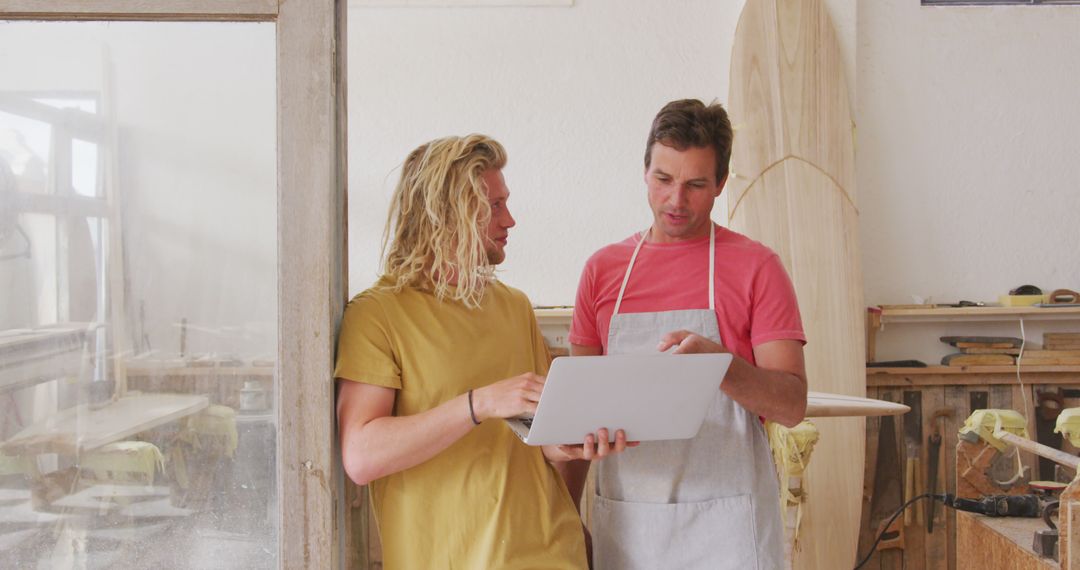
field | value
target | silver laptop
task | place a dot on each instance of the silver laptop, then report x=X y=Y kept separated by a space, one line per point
x=650 y=397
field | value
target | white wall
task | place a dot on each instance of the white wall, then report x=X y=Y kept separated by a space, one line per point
x=569 y=91
x=968 y=146
x=967 y=159
x=965 y=144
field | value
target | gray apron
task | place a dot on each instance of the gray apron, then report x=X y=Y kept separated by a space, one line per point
x=708 y=502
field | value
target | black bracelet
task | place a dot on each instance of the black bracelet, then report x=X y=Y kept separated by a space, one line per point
x=472 y=414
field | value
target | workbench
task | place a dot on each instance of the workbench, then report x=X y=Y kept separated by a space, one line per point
x=85 y=428
x=891 y=442
x=41 y=354
x=987 y=543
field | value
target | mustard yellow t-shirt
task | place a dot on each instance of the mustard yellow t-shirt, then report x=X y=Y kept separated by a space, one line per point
x=488 y=501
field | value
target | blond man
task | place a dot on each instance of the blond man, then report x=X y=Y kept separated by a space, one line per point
x=432 y=351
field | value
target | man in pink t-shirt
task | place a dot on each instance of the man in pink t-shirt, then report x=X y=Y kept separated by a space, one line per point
x=689 y=285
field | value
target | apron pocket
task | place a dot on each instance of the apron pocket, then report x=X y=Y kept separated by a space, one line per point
x=714 y=534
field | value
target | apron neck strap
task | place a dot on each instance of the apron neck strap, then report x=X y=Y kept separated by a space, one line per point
x=712 y=269
x=629 y=267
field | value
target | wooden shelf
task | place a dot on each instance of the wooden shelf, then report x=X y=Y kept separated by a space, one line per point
x=953 y=314
x=971 y=370
x=554 y=315
x=970 y=375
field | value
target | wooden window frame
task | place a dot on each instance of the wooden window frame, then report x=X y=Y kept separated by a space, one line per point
x=313 y=531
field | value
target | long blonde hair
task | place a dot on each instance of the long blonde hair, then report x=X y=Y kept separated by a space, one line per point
x=437 y=227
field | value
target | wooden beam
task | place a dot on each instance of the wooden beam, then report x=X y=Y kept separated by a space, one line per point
x=1066 y=459
x=311 y=276
x=145 y=10
x=911 y=377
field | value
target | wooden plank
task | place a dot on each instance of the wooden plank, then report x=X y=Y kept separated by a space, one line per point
x=884 y=490
x=1051 y=353
x=956 y=399
x=311 y=279
x=867 y=531
x=873 y=323
x=970 y=379
x=913 y=452
x=1051 y=360
x=1041 y=428
x=357 y=520
x=977 y=400
x=890 y=315
x=962 y=359
x=156 y=10
x=82 y=428
x=891 y=476
x=1001 y=398
x=1069 y=541
x=971 y=370
x=980 y=350
x=988 y=542
x=1066 y=459
x=793 y=188
x=935 y=548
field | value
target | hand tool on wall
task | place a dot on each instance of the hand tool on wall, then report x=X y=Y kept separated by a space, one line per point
x=912 y=447
x=934 y=452
x=888 y=489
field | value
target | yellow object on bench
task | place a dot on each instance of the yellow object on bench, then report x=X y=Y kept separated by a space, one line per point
x=986 y=424
x=14 y=465
x=1068 y=425
x=123 y=462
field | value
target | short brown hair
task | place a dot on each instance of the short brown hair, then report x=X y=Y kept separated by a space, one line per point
x=690 y=123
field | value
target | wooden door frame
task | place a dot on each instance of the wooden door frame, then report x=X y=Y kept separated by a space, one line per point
x=311 y=246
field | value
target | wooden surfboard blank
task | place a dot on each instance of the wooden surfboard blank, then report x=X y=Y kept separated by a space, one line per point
x=793 y=188
x=825 y=405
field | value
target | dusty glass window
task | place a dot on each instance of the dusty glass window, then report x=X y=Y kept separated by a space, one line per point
x=138 y=295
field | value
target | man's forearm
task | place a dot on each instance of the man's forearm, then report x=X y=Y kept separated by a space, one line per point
x=390 y=444
x=773 y=394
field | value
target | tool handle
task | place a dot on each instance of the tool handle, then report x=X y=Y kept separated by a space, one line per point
x=1056 y=455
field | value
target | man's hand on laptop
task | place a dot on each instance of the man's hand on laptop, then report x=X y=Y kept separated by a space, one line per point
x=509 y=398
x=686 y=342
x=596 y=446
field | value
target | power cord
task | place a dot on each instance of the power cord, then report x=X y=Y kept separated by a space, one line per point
x=992 y=505
x=873 y=547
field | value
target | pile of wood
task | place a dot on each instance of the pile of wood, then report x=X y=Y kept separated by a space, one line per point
x=1059 y=349
x=1069 y=341
x=982 y=350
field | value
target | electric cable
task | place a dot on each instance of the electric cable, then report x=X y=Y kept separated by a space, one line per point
x=873 y=547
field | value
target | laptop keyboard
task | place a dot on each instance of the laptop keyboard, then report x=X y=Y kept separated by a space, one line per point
x=527 y=421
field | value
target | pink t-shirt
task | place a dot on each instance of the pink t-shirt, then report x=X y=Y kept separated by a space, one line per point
x=755 y=301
